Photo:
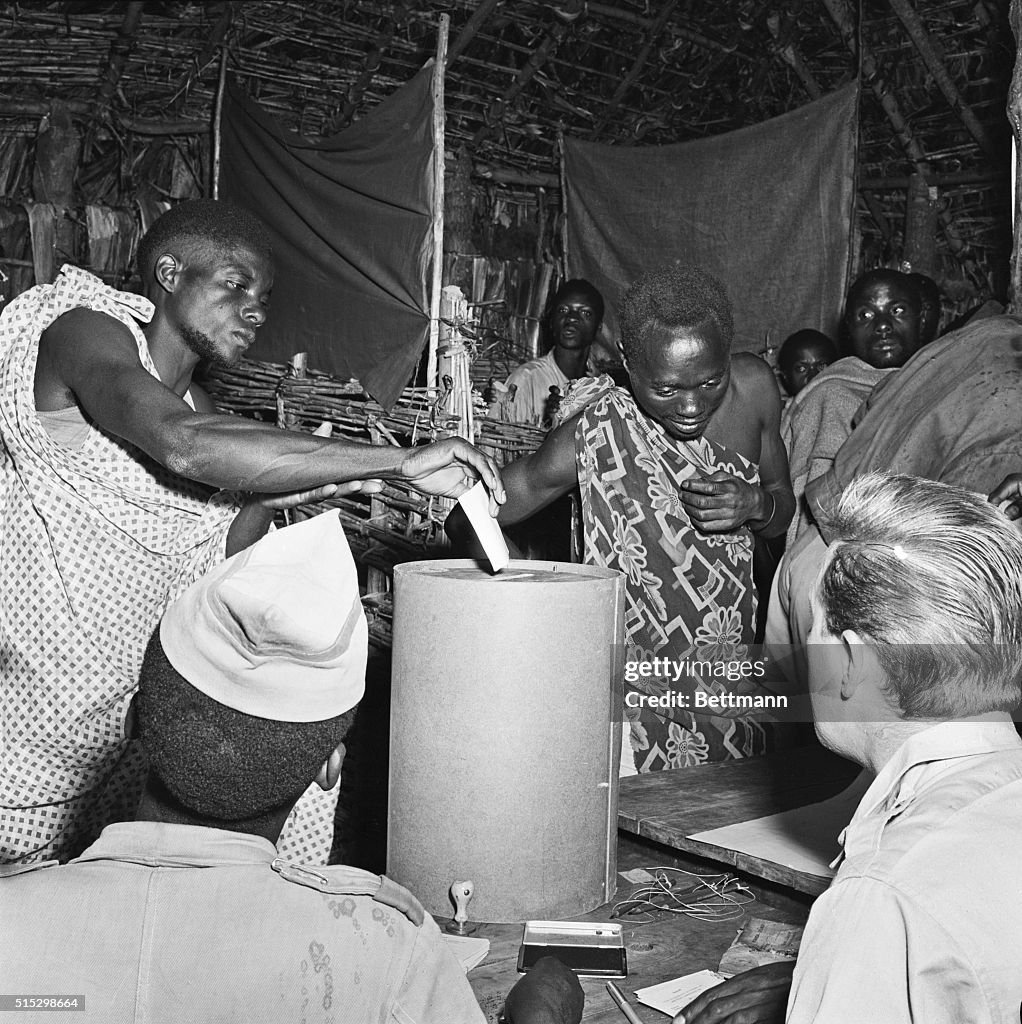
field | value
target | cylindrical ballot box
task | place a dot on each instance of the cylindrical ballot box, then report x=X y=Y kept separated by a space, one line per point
x=505 y=736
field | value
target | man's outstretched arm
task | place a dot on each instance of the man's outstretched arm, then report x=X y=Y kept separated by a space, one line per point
x=96 y=358
x=530 y=484
x=533 y=482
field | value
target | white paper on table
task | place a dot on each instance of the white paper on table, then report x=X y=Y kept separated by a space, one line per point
x=804 y=839
x=476 y=504
x=469 y=952
x=672 y=997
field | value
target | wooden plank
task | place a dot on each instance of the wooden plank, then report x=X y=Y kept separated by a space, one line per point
x=669 y=807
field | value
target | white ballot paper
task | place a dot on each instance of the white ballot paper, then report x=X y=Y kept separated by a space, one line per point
x=470 y=952
x=672 y=997
x=804 y=838
x=476 y=504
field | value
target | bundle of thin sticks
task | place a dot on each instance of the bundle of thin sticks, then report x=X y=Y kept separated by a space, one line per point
x=398 y=524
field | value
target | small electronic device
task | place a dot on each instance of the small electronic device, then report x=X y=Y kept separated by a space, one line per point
x=591 y=948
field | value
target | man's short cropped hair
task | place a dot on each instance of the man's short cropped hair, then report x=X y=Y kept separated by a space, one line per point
x=207 y=224
x=219 y=764
x=672 y=296
x=932 y=575
x=580 y=286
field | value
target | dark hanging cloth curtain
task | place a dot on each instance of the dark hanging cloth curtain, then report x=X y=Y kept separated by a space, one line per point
x=766 y=209
x=352 y=228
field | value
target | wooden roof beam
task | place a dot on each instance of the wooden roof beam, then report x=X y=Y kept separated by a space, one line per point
x=495 y=114
x=470 y=28
x=610 y=11
x=120 y=48
x=711 y=69
x=216 y=37
x=794 y=59
x=356 y=91
x=652 y=34
x=512 y=176
x=785 y=49
x=838 y=11
x=931 y=58
x=876 y=211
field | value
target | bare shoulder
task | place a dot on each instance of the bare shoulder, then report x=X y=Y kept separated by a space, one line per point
x=755 y=384
x=78 y=344
x=746 y=366
x=557 y=452
x=83 y=328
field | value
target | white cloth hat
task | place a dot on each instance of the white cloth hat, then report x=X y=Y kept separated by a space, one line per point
x=276 y=631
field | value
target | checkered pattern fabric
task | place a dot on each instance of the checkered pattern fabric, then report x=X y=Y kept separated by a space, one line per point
x=94 y=543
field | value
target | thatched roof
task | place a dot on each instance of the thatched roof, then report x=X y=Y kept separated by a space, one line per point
x=142 y=79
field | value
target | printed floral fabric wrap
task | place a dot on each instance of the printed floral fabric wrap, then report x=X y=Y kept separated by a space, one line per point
x=94 y=543
x=689 y=595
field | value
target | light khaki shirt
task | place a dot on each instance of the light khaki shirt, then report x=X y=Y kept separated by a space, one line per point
x=923 y=921
x=174 y=923
x=532 y=381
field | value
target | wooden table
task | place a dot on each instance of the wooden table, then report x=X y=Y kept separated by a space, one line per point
x=657 y=813
x=670 y=807
x=661 y=947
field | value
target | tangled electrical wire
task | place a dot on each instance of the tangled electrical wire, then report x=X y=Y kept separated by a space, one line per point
x=711 y=898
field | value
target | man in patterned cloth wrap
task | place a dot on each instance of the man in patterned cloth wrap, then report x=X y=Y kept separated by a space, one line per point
x=674 y=476
x=109 y=508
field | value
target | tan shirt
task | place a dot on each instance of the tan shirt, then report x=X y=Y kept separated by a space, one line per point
x=532 y=381
x=163 y=924
x=923 y=921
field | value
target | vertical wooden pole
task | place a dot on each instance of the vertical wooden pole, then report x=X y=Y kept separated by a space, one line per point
x=920 y=249
x=564 y=208
x=1015 y=117
x=377 y=581
x=438 y=200
x=454 y=358
x=289 y=420
x=217 y=114
x=58 y=152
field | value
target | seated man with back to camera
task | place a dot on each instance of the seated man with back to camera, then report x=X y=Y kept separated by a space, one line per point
x=915 y=662
x=190 y=913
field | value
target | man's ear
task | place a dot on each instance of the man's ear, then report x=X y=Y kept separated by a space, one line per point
x=330 y=774
x=167 y=271
x=861 y=664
